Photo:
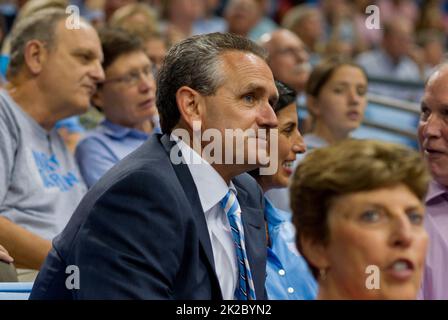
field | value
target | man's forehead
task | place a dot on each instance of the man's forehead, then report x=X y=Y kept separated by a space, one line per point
x=83 y=38
x=236 y=60
x=286 y=37
x=240 y=63
x=84 y=30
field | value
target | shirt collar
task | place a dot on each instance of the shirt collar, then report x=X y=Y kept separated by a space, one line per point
x=435 y=190
x=116 y=131
x=210 y=185
x=274 y=216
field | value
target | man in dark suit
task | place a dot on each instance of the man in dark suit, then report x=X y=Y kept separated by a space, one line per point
x=164 y=223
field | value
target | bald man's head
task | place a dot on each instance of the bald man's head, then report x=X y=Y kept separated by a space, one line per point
x=433 y=124
x=287 y=57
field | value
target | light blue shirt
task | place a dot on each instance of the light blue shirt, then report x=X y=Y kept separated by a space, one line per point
x=288 y=275
x=103 y=147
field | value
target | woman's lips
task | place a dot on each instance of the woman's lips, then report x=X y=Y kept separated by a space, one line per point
x=353 y=115
x=287 y=167
x=400 y=270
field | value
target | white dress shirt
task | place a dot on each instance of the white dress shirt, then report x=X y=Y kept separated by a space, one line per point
x=212 y=189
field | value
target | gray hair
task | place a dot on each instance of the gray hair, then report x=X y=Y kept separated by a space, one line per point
x=194 y=62
x=40 y=26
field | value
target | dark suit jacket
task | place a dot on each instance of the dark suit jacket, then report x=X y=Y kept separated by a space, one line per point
x=140 y=233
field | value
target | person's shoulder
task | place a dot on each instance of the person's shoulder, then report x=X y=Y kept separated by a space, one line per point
x=245 y=181
x=6 y=105
x=148 y=164
x=94 y=138
x=248 y=184
x=367 y=56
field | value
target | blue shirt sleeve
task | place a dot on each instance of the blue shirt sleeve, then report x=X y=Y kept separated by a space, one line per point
x=94 y=159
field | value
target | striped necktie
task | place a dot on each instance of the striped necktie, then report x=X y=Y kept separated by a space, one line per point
x=245 y=289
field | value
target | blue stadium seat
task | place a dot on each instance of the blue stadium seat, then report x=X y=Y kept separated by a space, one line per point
x=15 y=290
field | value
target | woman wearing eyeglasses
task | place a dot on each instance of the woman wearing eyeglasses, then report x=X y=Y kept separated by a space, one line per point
x=127 y=99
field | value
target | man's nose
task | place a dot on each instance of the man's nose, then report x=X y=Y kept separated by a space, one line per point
x=433 y=126
x=97 y=72
x=267 y=117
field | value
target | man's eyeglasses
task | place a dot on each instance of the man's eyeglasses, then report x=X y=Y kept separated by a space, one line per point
x=135 y=76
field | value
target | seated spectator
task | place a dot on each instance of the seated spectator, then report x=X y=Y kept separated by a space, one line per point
x=391 y=10
x=432 y=45
x=307 y=23
x=264 y=23
x=127 y=99
x=287 y=58
x=393 y=60
x=156 y=49
x=52 y=75
x=135 y=18
x=288 y=276
x=246 y=18
x=179 y=17
x=341 y=34
x=210 y=22
x=140 y=20
x=289 y=62
x=336 y=99
x=69 y=129
x=358 y=210
x=157 y=225
x=433 y=139
x=110 y=6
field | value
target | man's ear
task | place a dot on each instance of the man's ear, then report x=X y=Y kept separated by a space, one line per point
x=35 y=55
x=311 y=105
x=190 y=108
x=315 y=252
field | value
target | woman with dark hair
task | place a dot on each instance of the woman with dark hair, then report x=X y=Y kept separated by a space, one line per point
x=288 y=276
x=336 y=100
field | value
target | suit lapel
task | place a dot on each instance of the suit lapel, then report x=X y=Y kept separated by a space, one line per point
x=186 y=180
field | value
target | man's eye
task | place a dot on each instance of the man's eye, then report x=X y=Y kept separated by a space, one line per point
x=425 y=113
x=84 y=58
x=415 y=218
x=361 y=91
x=338 y=90
x=249 y=98
x=370 y=216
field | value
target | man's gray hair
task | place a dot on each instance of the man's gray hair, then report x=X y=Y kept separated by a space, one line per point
x=195 y=63
x=40 y=26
